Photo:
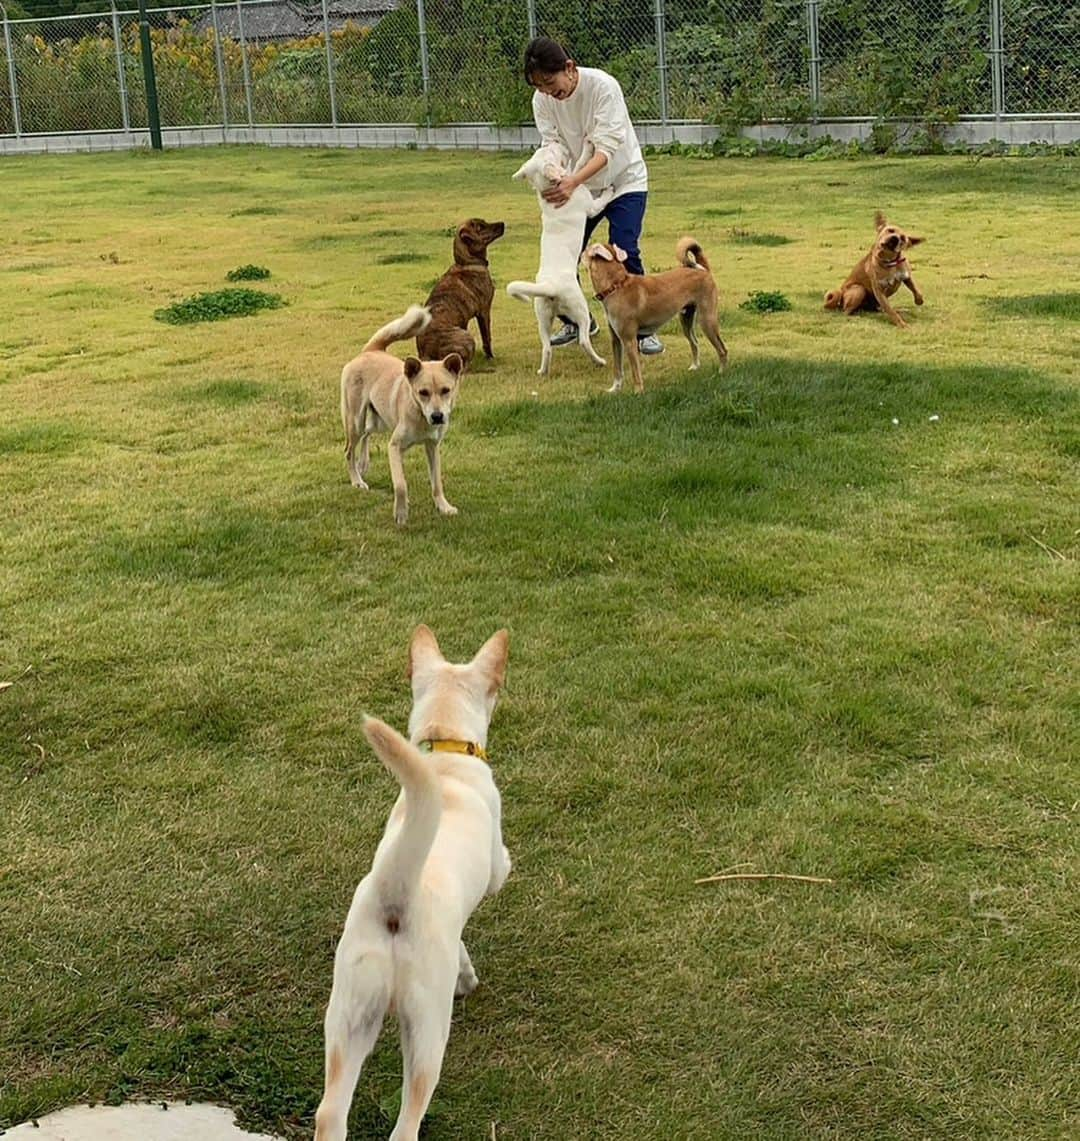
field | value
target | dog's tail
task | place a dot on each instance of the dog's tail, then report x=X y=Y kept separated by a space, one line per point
x=527 y=290
x=399 y=872
x=690 y=254
x=414 y=320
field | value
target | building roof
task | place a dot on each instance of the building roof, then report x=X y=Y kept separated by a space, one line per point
x=291 y=20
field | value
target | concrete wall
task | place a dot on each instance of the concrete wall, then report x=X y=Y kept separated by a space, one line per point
x=483 y=137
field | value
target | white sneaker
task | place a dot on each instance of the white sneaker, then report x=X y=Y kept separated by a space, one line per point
x=650 y=345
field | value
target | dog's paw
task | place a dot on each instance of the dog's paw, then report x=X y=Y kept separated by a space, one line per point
x=401 y=517
x=445 y=508
x=919 y=299
x=358 y=483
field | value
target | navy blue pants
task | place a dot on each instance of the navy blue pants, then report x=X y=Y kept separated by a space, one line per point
x=625 y=216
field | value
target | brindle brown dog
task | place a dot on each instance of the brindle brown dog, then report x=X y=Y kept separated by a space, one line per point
x=463 y=292
x=879 y=275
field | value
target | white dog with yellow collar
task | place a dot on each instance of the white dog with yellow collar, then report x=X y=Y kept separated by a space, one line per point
x=441 y=853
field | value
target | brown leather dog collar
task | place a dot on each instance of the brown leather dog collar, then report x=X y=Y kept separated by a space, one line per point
x=611 y=289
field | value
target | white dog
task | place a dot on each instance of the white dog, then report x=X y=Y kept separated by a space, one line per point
x=441 y=853
x=557 y=289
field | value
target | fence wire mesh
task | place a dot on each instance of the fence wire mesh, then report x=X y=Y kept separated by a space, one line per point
x=729 y=62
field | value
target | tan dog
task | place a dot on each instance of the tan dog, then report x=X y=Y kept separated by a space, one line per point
x=879 y=275
x=441 y=853
x=465 y=291
x=411 y=400
x=636 y=304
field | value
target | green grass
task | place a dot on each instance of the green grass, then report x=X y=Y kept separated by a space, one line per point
x=217 y=305
x=755 y=623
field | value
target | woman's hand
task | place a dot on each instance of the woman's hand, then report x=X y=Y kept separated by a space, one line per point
x=559 y=194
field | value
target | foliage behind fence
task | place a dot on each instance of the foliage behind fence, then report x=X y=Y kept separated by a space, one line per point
x=718 y=61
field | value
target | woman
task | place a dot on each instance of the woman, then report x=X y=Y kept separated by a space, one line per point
x=583 y=108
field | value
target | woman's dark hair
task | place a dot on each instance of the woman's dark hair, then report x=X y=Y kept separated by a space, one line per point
x=544 y=56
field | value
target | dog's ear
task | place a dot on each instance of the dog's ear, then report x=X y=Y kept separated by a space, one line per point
x=423 y=649
x=598 y=250
x=491 y=660
x=879 y=221
x=620 y=254
x=413 y=368
x=453 y=363
x=913 y=241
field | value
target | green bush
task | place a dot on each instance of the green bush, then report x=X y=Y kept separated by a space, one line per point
x=218 y=306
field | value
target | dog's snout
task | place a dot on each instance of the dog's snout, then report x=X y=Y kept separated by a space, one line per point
x=438 y=418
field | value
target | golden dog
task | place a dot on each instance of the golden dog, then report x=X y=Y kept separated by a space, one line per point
x=636 y=305
x=879 y=275
x=410 y=399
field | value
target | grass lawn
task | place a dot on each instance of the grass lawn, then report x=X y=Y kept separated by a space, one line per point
x=816 y=615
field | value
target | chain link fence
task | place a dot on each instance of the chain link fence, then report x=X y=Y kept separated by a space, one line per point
x=432 y=62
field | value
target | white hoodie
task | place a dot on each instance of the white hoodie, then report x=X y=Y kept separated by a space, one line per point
x=595 y=118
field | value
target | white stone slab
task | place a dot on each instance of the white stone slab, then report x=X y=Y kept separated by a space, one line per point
x=136 y=1123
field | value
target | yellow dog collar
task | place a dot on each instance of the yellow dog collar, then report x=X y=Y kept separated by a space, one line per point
x=469 y=748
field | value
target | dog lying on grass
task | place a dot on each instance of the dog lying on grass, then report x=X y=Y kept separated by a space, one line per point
x=465 y=291
x=410 y=399
x=557 y=290
x=879 y=275
x=441 y=853
x=636 y=305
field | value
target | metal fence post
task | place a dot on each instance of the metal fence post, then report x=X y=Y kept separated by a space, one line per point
x=530 y=9
x=997 y=61
x=661 y=59
x=219 y=59
x=120 y=77
x=16 y=116
x=247 y=68
x=425 y=74
x=146 y=50
x=329 y=65
x=813 y=41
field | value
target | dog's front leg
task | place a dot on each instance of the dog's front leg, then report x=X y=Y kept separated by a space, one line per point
x=909 y=281
x=887 y=309
x=483 y=321
x=435 y=471
x=616 y=360
x=396 y=453
x=631 y=350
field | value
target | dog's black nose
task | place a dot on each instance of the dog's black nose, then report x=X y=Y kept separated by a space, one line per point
x=437 y=418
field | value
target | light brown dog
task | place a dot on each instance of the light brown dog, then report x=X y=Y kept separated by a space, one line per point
x=879 y=275
x=410 y=399
x=636 y=304
x=465 y=291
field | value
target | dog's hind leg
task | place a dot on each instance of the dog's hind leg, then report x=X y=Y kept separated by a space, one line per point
x=424 y=1017
x=544 y=308
x=686 y=319
x=853 y=299
x=356 y=432
x=350 y=1038
x=577 y=309
x=711 y=328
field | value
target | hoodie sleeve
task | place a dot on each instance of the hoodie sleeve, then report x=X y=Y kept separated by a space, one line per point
x=608 y=132
x=545 y=120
